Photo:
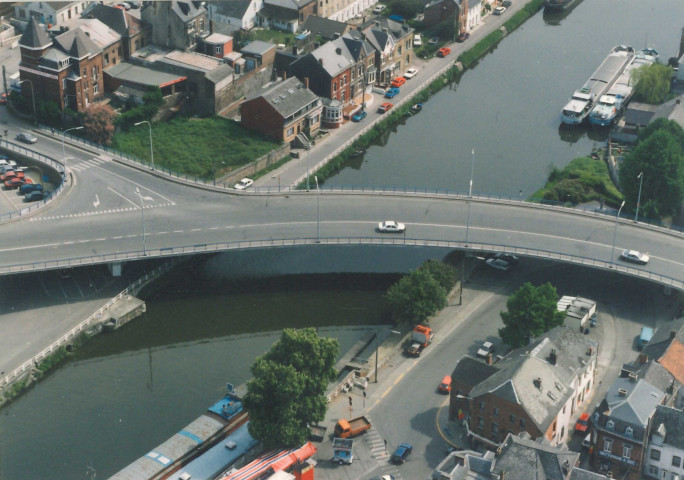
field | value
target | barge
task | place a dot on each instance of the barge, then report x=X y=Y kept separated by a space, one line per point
x=583 y=100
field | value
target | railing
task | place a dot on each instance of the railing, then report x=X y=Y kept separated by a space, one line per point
x=14 y=147
x=293 y=242
x=343 y=384
x=82 y=327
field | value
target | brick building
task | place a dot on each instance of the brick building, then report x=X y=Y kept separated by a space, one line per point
x=175 y=24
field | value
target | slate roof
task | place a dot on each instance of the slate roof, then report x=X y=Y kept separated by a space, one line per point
x=289 y=4
x=114 y=18
x=358 y=47
x=470 y=371
x=581 y=474
x=35 y=36
x=187 y=11
x=128 y=72
x=334 y=56
x=524 y=459
x=653 y=372
x=257 y=47
x=233 y=8
x=530 y=377
x=638 y=113
x=324 y=27
x=98 y=31
x=668 y=422
x=53 y=57
x=288 y=97
x=77 y=44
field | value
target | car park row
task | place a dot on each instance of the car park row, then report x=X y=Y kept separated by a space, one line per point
x=14 y=177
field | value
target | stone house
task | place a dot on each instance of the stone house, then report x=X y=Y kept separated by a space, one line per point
x=52 y=14
x=108 y=40
x=134 y=33
x=537 y=389
x=343 y=10
x=241 y=14
x=665 y=453
x=393 y=44
x=66 y=69
x=175 y=24
x=283 y=111
x=285 y=15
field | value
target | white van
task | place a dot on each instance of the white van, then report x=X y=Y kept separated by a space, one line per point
x=417 y=41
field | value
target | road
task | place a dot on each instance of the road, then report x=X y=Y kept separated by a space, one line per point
x=406 y=407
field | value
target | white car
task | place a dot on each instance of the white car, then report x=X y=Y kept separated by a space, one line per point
x=485 y=349
x=417 y=40
x=244 y=184
x=410 y=73
x=635 y=256
x=499 y=10
x=498 y=264
x=379 y=8
x=390 y=226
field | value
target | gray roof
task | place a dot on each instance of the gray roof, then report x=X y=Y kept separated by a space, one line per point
x=628 y=403
x=35 y=36
x=638 y=113
x=232 y=8
x=289 y=4
x=77 y=44
x=288 y=96
x=128 y=72
x=358 y=47
x=324 y=27
x=470 y=371
x=334 y=56
x=114 y=18
x=53 y=57
x=662 y=338
x=186 y=11
x=653 y=372
x=531 y=378
x=257 y=47
x=524 y=459
x=580 y=474
x=668 y=423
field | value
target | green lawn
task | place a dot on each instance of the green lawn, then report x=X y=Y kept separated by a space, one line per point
x=190 y=145
x=274 y=36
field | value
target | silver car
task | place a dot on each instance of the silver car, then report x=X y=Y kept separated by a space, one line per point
x=26 y=137
x=390 y=226
x=244 y=184
x=635 y=256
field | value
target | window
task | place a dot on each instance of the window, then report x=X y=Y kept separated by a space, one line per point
x=482 y=405
x=655 y=454
x=64 y=83
x=629 y=431
x=610 y=425
x=218 y=50
x=290 y=131
x=522 y=423
x=496 y=411
x=608 y=445
x=626 y=451
x=495 y=429
x=480 y=422
x=96 y=88
x=512 y=418
x=653 y=471
x=676 y=461
x=106 y=59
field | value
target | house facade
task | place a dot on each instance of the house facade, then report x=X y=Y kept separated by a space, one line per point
x=285 y=15
x=664 y=457
x=393 y=44
x=52 y=14
x=134 y=33
x=238 y=13
x=536 y=389
x=283 y=111
x=343 y=10
x=439 y=11
x=175 y=24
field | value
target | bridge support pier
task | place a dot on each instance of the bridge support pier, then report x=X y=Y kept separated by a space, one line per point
x=115 y=268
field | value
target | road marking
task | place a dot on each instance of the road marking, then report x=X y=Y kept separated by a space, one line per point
x=123 y=196
x=96 y=203
x=178 y=231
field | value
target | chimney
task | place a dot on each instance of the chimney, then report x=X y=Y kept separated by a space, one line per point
x=633 y=377
x=673 y=334
x=622 y=392
x=538 y=382
x=338 y=51
x=306 y=82
x=284 y=76
x=552 y=357
x=642 y=358
x=320 y=60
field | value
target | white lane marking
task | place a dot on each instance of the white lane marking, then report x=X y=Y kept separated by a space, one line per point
x=123 y=196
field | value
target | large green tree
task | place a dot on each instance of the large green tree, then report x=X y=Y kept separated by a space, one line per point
x=287 y=393
x=659 y=155
x=415 y=297
x=444 y=273
x=531 y=312
x=652 y=83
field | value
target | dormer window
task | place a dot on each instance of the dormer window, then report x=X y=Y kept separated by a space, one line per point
x=610 y=425
x=629 y=431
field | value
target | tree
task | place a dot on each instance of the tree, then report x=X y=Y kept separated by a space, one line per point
x=415 y=297
x=652 y=83
x=444 y=273
x=531 y=312
x=287 y=393
x=659 y=155
x=98 y=122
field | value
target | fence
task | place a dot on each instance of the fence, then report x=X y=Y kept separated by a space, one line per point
x=82 y=328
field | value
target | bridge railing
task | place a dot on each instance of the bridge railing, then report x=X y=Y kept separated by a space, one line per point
x=293 y=242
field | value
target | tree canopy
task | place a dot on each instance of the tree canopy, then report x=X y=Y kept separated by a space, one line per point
x=652 y=83
x=416 y=296
x=659 y=155
x=287 y=393
x=444 y=273
x=98 y=122
x=531 y=312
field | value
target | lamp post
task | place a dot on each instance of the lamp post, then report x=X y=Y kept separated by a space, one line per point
x=377 y=348
x=308 y=151
x=151 y=149
x=318 y=211
x=33 y=98
x=641 y=181
x=142 y=213
x=63 y=152
x=612 y=253
x=213 y=169
x=470 y=195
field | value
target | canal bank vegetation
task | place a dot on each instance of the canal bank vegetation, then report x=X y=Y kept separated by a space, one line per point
x=652 y=84
x=287 y=392
x=420 y=294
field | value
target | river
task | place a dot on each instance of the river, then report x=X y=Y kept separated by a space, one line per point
x=125 y=393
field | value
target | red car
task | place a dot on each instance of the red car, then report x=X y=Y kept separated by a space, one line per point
x=582 y=424
x=385 y=107
x=398 y=82
x=14 y=182
x=11 y=174
x=443 y=52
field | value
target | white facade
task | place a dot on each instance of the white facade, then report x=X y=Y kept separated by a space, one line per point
x=581 y=387
x=46 y=13
x=343 y=10
x=246 y=21
x=661 y=459
x=474 y=16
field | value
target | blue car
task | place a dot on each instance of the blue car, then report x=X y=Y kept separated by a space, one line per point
x=402 y=452
x=392 y=92
x=358 y=116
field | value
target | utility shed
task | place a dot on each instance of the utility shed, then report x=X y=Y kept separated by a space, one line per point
x=578 y=311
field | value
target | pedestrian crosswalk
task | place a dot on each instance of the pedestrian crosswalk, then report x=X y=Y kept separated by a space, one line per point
x=377 y=444
x=85 y=164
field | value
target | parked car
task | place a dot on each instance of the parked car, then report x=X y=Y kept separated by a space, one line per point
x=582 y=424
x=398 y=82
x=385 y=107
x=433 y=40
x=486 y=349
x=506 y=3
x=445 y=385
x=30 y=187
x=499 y=10
x=3 y=99
x=392 y=92
x=34 y=196
x=506 y=257
x=417 y=40
x=635 y=256
x=134 y=4
x=26 y=137
x=244 y=184
x=14 y=182
x=462 y=37
x=443 y=52
x=411 y=72
x=402 y=452
x=360 y=115
x=379 y=8
x=498 y=264
x=390 y=226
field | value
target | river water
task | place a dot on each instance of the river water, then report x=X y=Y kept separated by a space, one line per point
x=125 y=393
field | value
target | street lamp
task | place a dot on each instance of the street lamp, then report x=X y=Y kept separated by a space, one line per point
x=612 y=253
x=142 y=213
x=63 y=152
x=318 y=211
x=377 y=348
x=470 y=195
x=151 y=149
x=308 y=151
x=641 y=181
x=213 y=169
x=33 y=97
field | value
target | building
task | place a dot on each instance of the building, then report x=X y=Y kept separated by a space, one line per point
x=578 y=311
x=52 y=14
x=285 y=15
x=134 y=33
x=241 y=14
x=106 y=39
x=66 y=69
x=619 y=427
x=258 y=55
x=325 y=28
x=216 y=45
x=393 y=44
x=283 y=111
x=175 y=24
x=665 y=452
x=343 y=10
x=537 y=389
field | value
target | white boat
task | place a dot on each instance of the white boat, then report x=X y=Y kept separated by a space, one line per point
x=614 y=101
x=583 y=100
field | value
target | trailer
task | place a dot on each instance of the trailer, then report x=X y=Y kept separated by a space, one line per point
x=342 y=451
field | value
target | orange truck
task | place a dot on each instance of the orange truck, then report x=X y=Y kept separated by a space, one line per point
x=351 y=428
x=421 y=337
